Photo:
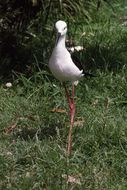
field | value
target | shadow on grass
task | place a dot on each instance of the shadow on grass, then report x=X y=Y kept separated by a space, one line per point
x=105 y=55
x=27 y=133
x=105 y=59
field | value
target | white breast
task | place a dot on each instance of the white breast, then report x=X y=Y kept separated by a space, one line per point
x=62 y=66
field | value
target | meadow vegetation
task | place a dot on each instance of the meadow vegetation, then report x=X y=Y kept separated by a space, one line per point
x=34 y=119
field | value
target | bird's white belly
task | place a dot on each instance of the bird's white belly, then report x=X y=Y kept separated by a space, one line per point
x=62 y=67
x=63 y=71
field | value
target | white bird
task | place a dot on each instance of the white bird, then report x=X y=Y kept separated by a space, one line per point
x=64 y=69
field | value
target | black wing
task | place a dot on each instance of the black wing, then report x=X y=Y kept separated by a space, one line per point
x=78 y=63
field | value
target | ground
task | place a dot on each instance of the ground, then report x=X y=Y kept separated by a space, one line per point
x=34 y=126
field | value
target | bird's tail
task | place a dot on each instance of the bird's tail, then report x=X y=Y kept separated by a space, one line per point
x=86 y=74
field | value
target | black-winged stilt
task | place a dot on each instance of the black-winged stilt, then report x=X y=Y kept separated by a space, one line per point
x=64 y=69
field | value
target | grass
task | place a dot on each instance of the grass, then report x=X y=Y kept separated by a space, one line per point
x=33 y=135
x=33 y=154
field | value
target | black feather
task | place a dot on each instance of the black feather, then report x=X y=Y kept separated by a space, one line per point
x=78 y=64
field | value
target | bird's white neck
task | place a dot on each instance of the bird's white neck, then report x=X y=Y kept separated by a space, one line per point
x=61 y=41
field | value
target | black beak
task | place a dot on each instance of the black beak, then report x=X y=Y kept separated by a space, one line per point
x=58 y=36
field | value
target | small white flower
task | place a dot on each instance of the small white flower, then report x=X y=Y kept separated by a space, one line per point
x=78 y=48
x=8 y=84
x=71 y=49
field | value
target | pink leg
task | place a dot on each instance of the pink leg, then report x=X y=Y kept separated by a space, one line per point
x=72 y=109
x=72 y=113
x=67 y=94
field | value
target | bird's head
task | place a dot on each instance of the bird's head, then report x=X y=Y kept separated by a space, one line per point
x=61 y=28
